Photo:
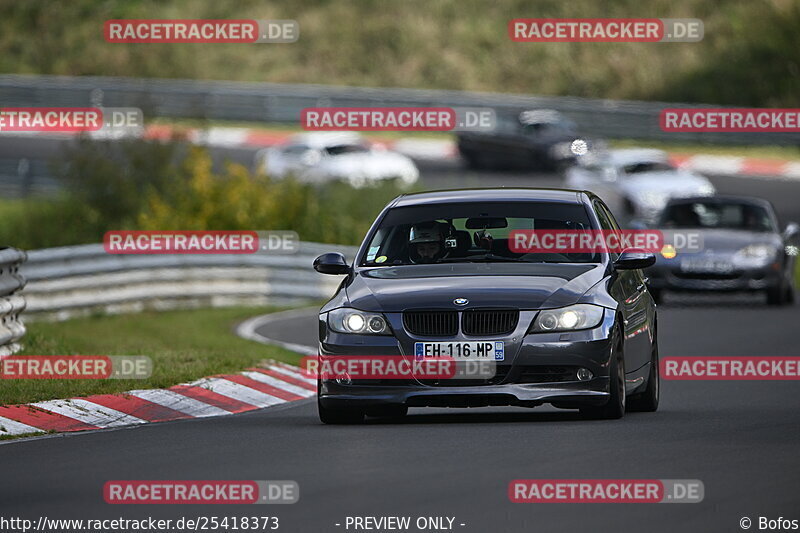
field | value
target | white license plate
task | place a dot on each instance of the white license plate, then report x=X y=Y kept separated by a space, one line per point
x=472 y=350
x=706 y=265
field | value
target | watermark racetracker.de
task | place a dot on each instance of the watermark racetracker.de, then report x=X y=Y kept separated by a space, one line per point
x=151 y=242
x=398 y=119
x=605 y=30
x=142 y=31
x=606 y=491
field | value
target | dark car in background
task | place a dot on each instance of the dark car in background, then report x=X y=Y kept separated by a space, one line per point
x=577 y=331
x=743 y=249
x=538 y=139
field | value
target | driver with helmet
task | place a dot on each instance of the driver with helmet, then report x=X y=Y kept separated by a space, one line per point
x=426 y=242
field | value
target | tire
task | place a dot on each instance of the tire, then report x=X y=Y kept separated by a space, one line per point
x=647 y=400
x=615 y=408
x=657 y=295
x=628 y=210
x=474 y=160
x=780 y=295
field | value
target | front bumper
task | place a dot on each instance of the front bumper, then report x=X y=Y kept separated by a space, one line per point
x=567 y=395
x=754 y=279
x=541 y=369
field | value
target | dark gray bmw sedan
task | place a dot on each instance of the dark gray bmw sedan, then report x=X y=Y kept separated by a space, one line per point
x=437 y=275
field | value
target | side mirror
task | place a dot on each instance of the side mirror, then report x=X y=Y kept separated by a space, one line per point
x=633 y=259
x=331 y=263
x=791 y=231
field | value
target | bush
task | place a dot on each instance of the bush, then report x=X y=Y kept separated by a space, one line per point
x=162 y=186
x=197 y=199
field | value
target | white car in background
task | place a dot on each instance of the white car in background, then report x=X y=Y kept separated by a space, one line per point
x=636 y=183
x=330 y=156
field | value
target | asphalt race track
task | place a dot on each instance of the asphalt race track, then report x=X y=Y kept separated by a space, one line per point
x=739 y=438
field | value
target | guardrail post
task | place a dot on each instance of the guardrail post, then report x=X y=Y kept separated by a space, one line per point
x=25 y=175
x=11 y=304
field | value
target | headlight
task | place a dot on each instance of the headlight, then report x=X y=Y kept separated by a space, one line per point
x=755 y=255
x=347 y=320
x=574 y=317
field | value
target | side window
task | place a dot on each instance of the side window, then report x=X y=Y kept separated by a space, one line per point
x=602 y=215
x=607 y=221
x=611 y=220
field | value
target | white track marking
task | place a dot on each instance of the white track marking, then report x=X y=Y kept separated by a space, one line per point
x=715 y=164
x=269 y=380
x=12 y=427
x=89 y=413
x=239 y=392
x=247 y=330
x=179 y=402
x=287 y=371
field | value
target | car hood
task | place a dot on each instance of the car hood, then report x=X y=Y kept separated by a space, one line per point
x=667 y=183
x=519 y=285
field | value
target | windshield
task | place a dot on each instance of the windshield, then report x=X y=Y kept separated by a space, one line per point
x=541 y=128
x=717 y=215
x=340 y=149
x=647 y=166
x=471 y=232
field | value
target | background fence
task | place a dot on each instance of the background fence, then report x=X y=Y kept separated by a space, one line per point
x=273 y=102
x=11 y=303
x=82 y=280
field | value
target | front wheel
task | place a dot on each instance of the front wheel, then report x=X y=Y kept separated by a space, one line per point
x=615 y=408
x=647 y=400
x=783 y=294
x=657 y=295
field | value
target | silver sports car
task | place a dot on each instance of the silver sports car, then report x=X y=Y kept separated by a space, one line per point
x=329 y=156
x=635 y=183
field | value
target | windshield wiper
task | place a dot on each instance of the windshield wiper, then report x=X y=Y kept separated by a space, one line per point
x=485 y=258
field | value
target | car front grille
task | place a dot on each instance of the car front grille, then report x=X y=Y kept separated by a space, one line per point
x=489 y=321
x=431 y=323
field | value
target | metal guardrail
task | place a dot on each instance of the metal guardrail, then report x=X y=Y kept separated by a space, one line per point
x=82 y=280
x=22 y=177
x=273 y=102
x=11 y=304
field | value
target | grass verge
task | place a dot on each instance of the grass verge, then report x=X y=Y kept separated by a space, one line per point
x=184 y=346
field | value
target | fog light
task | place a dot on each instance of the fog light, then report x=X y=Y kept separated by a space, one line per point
x=584 y=374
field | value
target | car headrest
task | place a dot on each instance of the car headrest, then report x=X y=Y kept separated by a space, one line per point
x=463 y=241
